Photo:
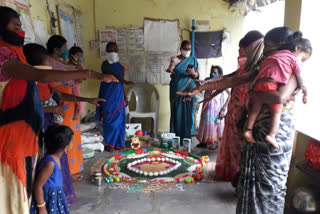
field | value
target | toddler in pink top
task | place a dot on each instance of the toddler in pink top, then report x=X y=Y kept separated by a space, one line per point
x=275 y=71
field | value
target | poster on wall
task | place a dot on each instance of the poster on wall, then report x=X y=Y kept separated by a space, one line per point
x=105 y=37
x=41 y=34
x=67 y=30
x=23 y=8
x=157 y=63
x=161 y=35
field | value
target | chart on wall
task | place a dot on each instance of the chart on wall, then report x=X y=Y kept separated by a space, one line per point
x=141 y=64
x=67 y=27
x=162 y=39
x=23 y=8
x=161 y=35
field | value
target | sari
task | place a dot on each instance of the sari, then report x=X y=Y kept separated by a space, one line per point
x=21 y=119
x=211 y=127
x=72 y=162
x=228 y=160
x=112 y=112
x=264 y=169
x=181 y=121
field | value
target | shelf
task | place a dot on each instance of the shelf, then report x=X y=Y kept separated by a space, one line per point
x=306 y=169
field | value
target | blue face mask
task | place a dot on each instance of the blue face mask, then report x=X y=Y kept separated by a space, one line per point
x=64 y=54
x=214 y=76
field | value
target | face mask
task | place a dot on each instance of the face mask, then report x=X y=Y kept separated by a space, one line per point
x=75 y=60
x=64 y=54
x=186 y=54
x=15 y=38
x=214 y=76
x=112 y=57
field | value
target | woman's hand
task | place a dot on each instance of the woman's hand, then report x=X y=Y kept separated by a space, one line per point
x=129 y=83
x=126 y=100
x=95 y=101
x=222 y=113
x=109 y=78
x=170 y=71
x=304 y=97
x=59 y=110
x=191 y=93
x=76 y=115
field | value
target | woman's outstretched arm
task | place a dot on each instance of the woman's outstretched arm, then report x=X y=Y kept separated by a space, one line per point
x=224 y=83
x=14 y=68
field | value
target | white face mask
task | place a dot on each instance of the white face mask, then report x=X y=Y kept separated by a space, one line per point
x=186 y=54
x=112 y=57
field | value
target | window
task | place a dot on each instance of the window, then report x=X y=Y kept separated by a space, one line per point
x=308 y=116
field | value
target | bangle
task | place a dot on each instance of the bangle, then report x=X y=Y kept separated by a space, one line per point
x=89 y=74
x=41 y=205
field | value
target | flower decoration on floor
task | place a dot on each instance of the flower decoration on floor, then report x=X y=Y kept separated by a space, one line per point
x=154 y=165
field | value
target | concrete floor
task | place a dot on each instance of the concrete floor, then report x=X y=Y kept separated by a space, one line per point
x=202 y=198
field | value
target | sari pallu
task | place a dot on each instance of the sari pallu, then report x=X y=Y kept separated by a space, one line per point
x=181 y=121
x=21 y=119
x=264 y=169
x=112 y=112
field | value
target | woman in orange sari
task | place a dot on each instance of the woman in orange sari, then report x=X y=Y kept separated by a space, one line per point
x=57 y=49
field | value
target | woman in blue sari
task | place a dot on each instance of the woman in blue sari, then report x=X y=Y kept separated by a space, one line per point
x=183 y=69
x=112 y=112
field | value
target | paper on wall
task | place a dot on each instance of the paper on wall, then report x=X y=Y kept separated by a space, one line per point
x=161 y=35
x=41 y=35
x=157 y=63
x=67 y=30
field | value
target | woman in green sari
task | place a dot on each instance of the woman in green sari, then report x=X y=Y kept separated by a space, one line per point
x=183 y=69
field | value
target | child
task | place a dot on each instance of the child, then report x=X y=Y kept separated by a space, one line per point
x=48 y=191
x=286 y=61
x=213 y=112
x=37 y=56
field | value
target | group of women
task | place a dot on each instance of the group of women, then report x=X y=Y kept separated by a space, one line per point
x=22 y=113
x=258 y=170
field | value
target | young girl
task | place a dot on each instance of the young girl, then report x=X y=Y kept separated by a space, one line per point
x=288 y=61
x=48 y=192
x=213 y=112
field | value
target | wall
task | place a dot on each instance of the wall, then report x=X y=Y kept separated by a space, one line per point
x=122 y=13
x=293 y=14
x=295 y=177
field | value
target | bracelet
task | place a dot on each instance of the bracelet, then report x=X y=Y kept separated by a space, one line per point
x=41 y=205
x=89 y=74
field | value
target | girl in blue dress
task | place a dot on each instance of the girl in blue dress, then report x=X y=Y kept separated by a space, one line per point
x=49 y=197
